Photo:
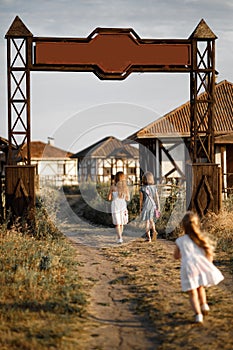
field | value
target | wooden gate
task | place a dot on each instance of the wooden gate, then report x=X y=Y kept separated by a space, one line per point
x=203 y=187
x=20 y=190
x=129 y=54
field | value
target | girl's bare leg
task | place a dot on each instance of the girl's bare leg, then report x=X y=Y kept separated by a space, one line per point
x=152 y=225
x=119 y=231
x=202 y=299
x=201 y=295
x=154 y=232
x=148 y=230
x=194 y=301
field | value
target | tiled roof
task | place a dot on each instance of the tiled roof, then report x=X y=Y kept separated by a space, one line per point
x=107 y=147
x=178 y=120
x=44 y=150
x=224 y=139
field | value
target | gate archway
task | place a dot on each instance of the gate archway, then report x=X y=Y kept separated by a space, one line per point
x=113 y=54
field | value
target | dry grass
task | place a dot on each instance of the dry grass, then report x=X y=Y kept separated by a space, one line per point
x=220 y=228
x=41 y=300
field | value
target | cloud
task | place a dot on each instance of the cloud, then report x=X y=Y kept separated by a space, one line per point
x=56 y=95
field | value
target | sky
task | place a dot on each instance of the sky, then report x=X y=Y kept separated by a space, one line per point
x=78 y=109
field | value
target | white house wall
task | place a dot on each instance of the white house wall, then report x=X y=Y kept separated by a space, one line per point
x=102 y=169
x=178 y=154
x=57 y=172
x=221 y=159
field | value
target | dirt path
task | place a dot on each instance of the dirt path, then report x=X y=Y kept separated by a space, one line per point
x=111 y=319
x=135 y=300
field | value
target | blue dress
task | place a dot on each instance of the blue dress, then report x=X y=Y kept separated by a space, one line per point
x=148 y=208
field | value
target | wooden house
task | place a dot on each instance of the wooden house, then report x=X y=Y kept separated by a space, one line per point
x=167 y=139
x=101 y=161
x=4 y=147
x=53 y=165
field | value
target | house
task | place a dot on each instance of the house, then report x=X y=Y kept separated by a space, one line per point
x=168 y=139
x=100 y=161
x=54 y=166
x=4 y=147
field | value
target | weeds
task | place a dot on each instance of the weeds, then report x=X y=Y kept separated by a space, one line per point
x=220 y=228
x=41 y=296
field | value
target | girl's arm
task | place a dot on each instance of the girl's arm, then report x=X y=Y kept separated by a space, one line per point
x=157 y=200
x=177 y=254
x=210 y=257
x=110 y=194
x=140 y=201
x=127 y=197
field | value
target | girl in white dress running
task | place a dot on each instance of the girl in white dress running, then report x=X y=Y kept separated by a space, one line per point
x=197 y=268
x=119 y=194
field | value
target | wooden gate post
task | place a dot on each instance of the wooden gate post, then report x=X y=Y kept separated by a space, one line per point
x=20 y=191
x=203 y=187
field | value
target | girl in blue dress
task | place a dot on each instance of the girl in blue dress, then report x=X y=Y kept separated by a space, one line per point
x=149 y=202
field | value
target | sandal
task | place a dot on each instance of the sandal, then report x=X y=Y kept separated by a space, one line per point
x=154 y=235
x=205 y=309
x=199 y=318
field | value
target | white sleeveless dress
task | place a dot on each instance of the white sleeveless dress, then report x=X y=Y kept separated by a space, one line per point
x=119 y=210
x=196 y=270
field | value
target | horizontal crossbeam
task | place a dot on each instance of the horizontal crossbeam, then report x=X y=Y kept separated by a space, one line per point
x=111 y=54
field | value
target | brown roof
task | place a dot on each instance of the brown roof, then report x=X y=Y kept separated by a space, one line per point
x=178 y=120
x=224 y=139
x=108 y=147
x=44 y=150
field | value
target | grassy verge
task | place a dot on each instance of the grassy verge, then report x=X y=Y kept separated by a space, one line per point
x=41 y=299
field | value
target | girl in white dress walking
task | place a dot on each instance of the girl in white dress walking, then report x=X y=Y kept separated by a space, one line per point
x=197 y=268
x=119 y=194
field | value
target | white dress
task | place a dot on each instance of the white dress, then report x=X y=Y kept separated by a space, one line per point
x=119 y=210
x=196 y=269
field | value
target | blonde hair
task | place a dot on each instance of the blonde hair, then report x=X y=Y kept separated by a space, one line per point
x=192 y=227
x=120 y=183
x=148 y=178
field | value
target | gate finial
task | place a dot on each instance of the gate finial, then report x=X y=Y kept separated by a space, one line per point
x=18 y=29
x=202 y=31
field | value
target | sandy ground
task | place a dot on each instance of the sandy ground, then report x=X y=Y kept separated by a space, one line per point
x=134 y=295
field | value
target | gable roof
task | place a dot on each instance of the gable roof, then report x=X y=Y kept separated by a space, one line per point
x=108 y=147
x=178 y=120
x=41 y=150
